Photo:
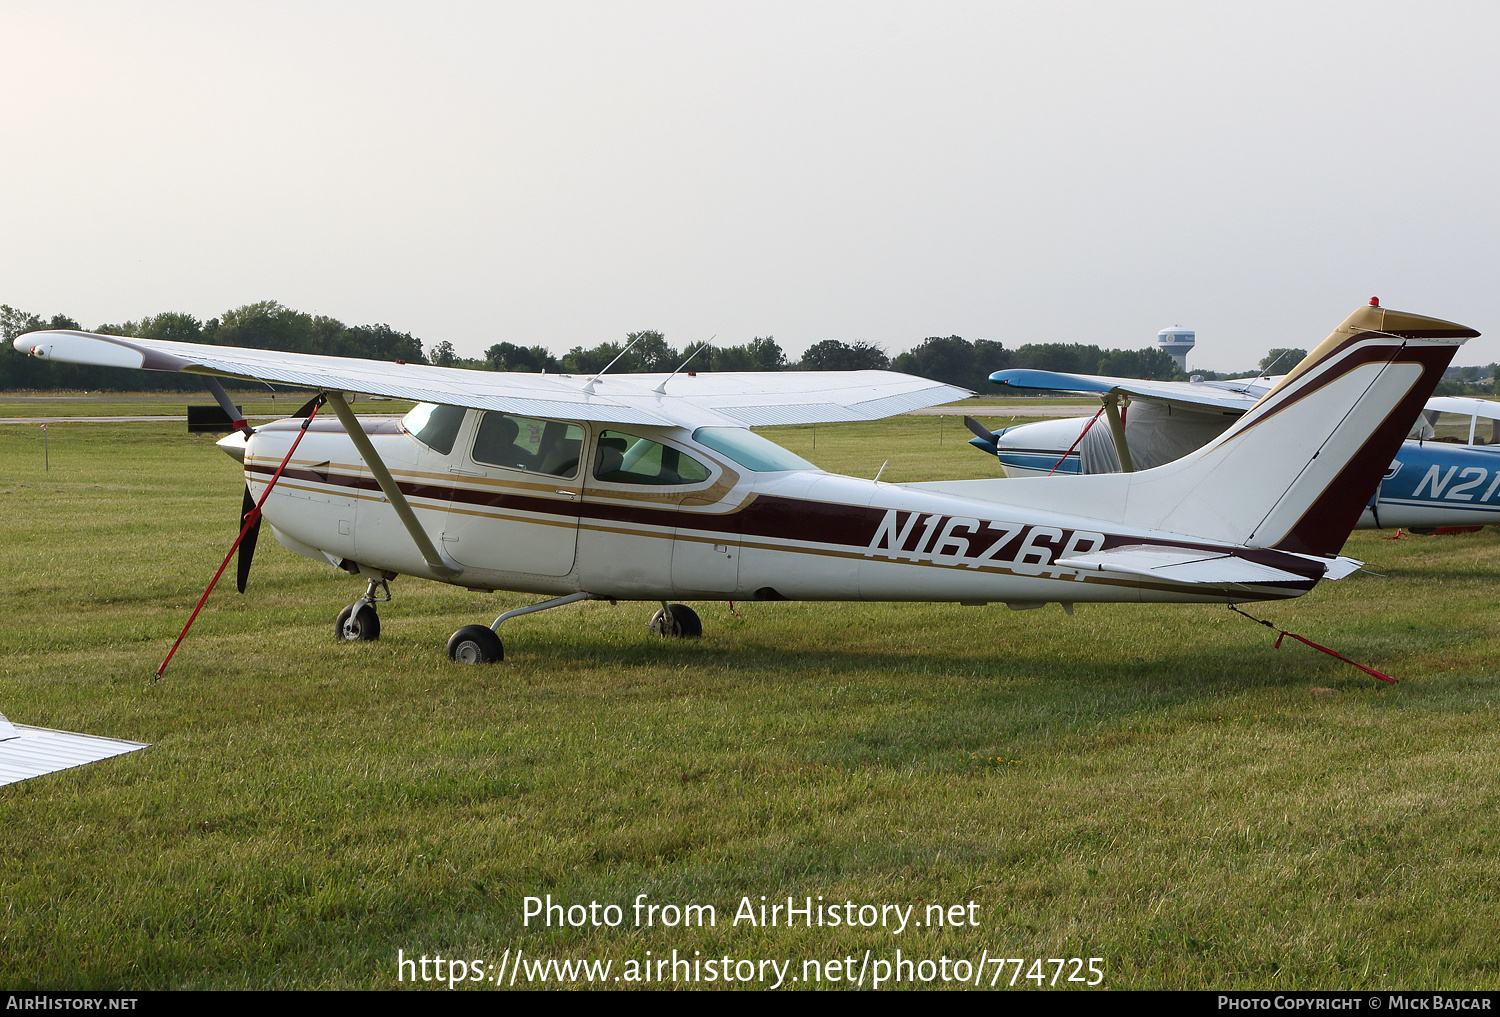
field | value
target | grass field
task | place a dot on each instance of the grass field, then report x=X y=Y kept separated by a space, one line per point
x=1154 y=786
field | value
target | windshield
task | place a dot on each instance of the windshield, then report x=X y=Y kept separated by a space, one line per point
x=750 y=450
x=434 y=426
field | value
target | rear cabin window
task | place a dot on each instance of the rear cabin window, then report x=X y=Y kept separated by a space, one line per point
x=1456 y=428
x=524 y=443
x=630 y=459
x=434 y=426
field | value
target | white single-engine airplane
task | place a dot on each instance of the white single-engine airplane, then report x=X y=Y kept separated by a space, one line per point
x=653 y=487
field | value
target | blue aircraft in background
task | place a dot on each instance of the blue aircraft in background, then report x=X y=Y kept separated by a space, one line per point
x=1447 y=474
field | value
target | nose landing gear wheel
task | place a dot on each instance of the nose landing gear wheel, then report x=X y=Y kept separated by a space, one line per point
x=677 y=620
x=475 y=644
x=352 y=625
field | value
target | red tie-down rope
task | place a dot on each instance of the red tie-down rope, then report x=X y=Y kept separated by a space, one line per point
x=1075 y=444
x=251 y=518
x=1282 y=633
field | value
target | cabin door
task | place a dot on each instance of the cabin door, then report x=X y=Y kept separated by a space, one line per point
x=516 y=491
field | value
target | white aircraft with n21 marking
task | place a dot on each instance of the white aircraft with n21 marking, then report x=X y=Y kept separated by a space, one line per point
x=654 y=488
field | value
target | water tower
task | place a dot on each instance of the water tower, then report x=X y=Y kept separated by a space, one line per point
x=1177 y=342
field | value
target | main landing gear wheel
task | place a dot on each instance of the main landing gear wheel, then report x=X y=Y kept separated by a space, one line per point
x=475 y=644
x=677 y=620
x=358 y=625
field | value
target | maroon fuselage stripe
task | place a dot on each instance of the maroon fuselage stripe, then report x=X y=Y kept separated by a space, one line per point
x=778 y=518
x=761 y=516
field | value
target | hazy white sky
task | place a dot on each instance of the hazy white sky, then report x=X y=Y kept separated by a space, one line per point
x=562 y=173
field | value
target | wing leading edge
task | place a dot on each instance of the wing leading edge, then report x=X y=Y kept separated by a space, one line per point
x=1230 y=396
x=689 y=400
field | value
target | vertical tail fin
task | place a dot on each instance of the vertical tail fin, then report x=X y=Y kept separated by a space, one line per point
x=1295 y=471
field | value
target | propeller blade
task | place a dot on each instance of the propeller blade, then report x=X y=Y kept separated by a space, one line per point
x=247 y=546
x=979 y=430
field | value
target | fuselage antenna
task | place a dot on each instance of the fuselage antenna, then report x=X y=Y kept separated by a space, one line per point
x=662 y=388
x=1267 y=372
x=589 y=385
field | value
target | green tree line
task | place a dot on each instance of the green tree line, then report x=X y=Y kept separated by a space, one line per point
x=958 y=361
x=274 y=326
x=951 y=359
x=643 y=352
x=267 y=325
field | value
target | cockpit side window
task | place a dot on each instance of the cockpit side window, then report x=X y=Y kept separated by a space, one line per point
x=524 y=443
x=434 y=426
x=1451 y=427
x=630 y=459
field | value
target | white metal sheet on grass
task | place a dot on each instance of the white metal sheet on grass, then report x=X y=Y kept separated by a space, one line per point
x=27 y=752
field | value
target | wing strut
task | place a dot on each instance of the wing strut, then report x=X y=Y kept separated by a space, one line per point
x=388 y=486
x=1117 y=428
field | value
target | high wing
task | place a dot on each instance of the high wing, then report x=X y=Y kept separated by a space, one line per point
x=1465 y=406
x=1231 y=396
x=685 y=400
x=1166 y=420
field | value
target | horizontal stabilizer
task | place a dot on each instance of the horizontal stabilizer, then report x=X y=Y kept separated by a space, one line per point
x=1194 y=565
x=27 y=752
x=1340 y=567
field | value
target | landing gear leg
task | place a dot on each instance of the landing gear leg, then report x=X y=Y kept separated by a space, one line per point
x=478 y=644
x=676 y=620
x=359 y=621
